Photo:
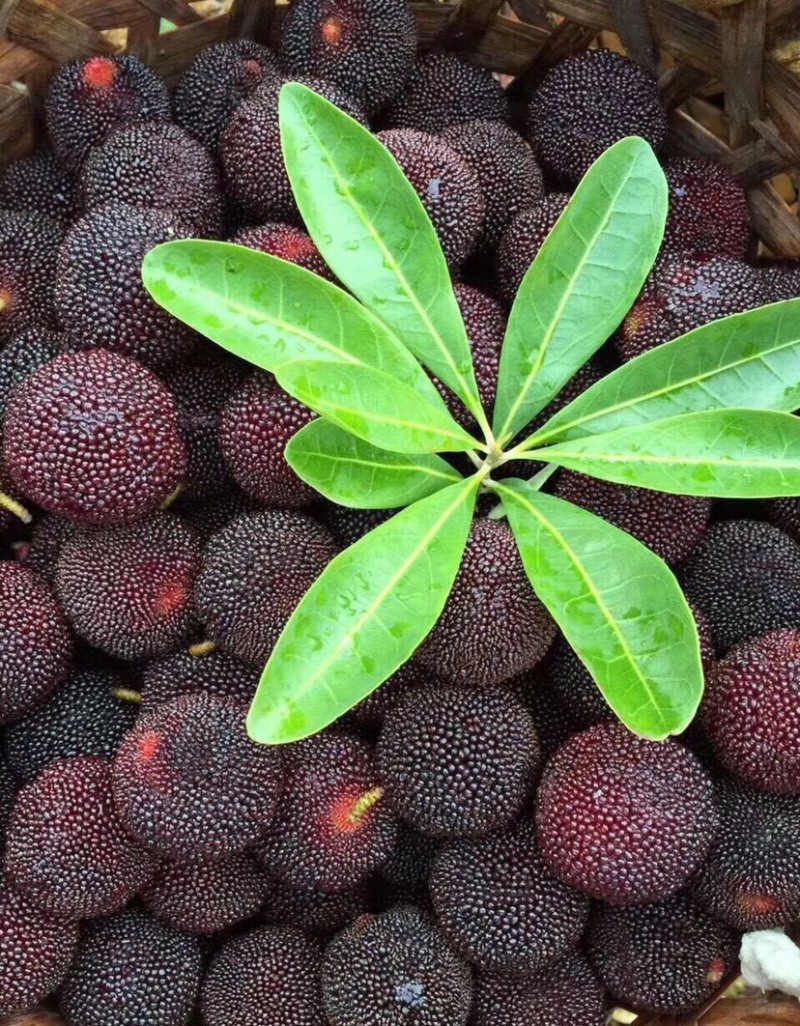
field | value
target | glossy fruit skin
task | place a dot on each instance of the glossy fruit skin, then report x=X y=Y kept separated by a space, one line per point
x=685 y=291
x=522 y=240
x=288 y=242
x=83 y=717
x=39 y=183
x=448 y=186
x=624 y=820
x=233 y=889
x=258 y=419
x=509 y=176
x=708 y=210
x=94 y=437
x=255 y=176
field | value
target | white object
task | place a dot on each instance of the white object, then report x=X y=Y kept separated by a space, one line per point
x=771 y=960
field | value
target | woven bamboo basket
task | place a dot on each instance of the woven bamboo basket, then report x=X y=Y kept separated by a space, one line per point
x=729 y=72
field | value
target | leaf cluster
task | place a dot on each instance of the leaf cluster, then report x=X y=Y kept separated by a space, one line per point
x=707 y=414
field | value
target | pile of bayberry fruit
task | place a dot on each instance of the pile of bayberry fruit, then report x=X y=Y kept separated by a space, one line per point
x=479 y=842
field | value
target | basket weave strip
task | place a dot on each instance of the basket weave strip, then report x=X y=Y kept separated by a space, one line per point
x=729 y=51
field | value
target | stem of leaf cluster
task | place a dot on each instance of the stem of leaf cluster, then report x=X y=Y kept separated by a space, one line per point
x=483 y=424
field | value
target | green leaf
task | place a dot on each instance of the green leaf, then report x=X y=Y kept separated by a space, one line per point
x=618 y=605
x=582 y=282
x=269 y=311
x=747 y=360
x=737 y=454
x=374 y=406
x=363 y=617
x=374 y=232
x=354 y=473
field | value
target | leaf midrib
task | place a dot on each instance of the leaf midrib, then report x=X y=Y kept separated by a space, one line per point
x=375 y=236
x=689 y=461
x=548 y=525
x=310 y=681
x=332 y=407
x=559 y=429
x=401 y=467
x=556 y=318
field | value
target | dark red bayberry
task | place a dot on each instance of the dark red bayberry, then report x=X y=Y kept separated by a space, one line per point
x=216 y=82
x=458 y=762
x=132 y=969
x=89 y=96
x=254 y=573
x=332 y=827
x=204 y=896
x=667 y=957
x=67 y=851
x=189 y=783
x=444 y=89
x=493 y=625
x=35 y=643
x=94 y=437
x=35 y=951
x=392 y=969
x=100 y=298
x=623 y=819
x=29 y=246
x=501 y=907
x=258 y=419
x=585 y=104
x=268 y=977
x=128 y=590
x=366 y=47
x=751 y=712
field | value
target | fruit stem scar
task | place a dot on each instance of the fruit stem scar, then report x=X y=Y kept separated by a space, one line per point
x=6 y=502
x=127 y=695
x=364 y=804
x=171 y=497
x=202 y=648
